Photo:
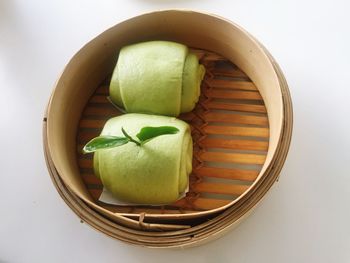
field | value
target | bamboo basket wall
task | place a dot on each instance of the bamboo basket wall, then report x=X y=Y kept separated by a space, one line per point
x=241 y=129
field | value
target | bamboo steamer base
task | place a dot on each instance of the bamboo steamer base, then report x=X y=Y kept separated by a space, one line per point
x=230 y=129
x=230 y=134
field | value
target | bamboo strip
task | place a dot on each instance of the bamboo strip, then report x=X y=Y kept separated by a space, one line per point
x=236 y=107
x=236 y=118
x=85 y=163
x=91 y=179
x=219 y=188
x=234 y=144
x=237 y=131
x=87 y=123
x=242 y=158
x=231 y=84
x=229 y=73
x=232 y=174
x=99 y=99
x=233 y=94
x=85 y=136
x=204 y=203
x=102 y=90
x=99 y=111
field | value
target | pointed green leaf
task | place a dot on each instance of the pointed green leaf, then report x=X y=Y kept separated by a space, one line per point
x=131 y=139
x=104 y=142
x=148 y=133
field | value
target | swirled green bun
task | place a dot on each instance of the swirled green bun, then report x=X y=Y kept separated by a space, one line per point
x=154 y=173
x=156 y=77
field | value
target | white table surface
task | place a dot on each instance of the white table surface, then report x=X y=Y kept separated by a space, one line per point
x=304 y=218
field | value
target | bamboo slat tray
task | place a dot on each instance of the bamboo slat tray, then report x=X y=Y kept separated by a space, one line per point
x=241 y=129
x=230 y=133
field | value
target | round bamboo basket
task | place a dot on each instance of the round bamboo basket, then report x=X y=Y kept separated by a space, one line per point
x=241 y=129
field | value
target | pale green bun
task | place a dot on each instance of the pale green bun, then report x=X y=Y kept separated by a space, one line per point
x=192 y=77
x=157 y=77
x=154 y=173
x=114 y=89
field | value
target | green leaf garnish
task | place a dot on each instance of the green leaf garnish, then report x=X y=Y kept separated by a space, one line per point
x=145 y=135
x=148 y=133
x=130 y=138
x=104 y=142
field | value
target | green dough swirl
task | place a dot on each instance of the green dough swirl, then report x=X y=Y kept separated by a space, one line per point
x=154 y=173
x=156 y=77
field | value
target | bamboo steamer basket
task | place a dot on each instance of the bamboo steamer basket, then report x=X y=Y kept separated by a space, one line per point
x=241 y=129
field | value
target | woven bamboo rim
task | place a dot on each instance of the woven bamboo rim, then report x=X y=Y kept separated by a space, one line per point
x=126 y=229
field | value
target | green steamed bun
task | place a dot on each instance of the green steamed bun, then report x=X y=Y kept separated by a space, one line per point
x=157 y=77
x=154 y=173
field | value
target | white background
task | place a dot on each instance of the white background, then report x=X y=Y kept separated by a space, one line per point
x=304 y=218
